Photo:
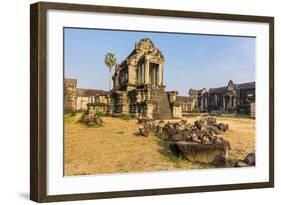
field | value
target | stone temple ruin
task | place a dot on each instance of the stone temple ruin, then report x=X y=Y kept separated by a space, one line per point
x=138 y=84
x=139 y=90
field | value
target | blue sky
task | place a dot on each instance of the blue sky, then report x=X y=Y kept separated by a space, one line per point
x=191 y=61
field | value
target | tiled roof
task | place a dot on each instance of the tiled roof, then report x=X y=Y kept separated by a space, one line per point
x=218 y=90
x=90 y=92
x=243 y=86
x=183 y=98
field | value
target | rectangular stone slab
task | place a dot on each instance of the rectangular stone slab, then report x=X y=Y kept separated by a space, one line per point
x=203 y=153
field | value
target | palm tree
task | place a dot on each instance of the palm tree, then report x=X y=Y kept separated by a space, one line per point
x=110 y=61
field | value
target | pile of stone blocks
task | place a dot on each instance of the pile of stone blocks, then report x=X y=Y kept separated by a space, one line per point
x=201 y=141
x=91 y=119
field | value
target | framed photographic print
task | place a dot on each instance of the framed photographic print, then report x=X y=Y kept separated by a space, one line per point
x=134 y=102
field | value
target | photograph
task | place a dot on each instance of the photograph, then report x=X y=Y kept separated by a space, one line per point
x=131 y=101
x=141 y=101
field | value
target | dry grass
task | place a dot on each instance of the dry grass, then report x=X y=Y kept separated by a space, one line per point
x=116 y=148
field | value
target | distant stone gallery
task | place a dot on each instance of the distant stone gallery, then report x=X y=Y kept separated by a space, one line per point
x=138 y=90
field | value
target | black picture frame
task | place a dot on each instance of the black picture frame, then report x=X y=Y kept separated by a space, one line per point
x=38 y=103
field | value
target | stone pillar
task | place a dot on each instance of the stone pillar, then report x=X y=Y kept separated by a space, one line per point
x=216 y=100
x=253 y=109
x=160 y=74
x=202 y=104
x=177 y=110
x=124 y=104
x=132 y=75
x=226 y=102
x=234 y=102
x=146 y=78
x=142 y=73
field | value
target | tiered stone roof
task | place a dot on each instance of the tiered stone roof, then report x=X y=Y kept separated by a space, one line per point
x=90 y=92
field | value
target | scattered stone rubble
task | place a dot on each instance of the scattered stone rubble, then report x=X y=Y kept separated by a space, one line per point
x=90 y=119
x=250 y=160
x=198 y=142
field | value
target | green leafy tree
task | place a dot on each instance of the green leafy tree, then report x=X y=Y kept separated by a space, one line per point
x=110 y=61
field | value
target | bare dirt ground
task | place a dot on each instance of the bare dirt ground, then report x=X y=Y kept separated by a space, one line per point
x=115 y=147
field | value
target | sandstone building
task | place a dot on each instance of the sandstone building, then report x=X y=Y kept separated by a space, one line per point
x=233 y=98
x=139 y=90
x=77 y=99
x=138 y=84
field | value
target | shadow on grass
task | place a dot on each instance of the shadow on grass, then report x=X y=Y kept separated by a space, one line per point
x=120 y=132
x=165 y=150
x=137 y=134
x=179 y=161
x=84 y=124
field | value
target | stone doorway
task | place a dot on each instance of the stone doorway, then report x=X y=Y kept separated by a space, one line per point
x=154 y=74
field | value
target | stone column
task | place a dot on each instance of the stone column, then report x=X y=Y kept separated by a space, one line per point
x=216 y=100
x=227 y=101
x=142 y=73
x=146 y=77
x=160 y=74
x=138 y=71
x=234 y=102
x=132 y=74
x=202 y=104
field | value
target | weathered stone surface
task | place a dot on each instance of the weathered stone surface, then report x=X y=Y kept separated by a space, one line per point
x=198 y=142
x=199 y=124
x=98 y=120
x=148 y=129
x=223 y=127
x=201 y=142
x=211 y=121
x=90 y=119
x=159 y=128
x=203 y=153
x=250 y=160
x=177 y=137
x=219 y=161
x=175 y=150
x=145 y=131
x=241 y=163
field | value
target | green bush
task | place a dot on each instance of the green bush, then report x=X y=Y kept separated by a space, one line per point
x=99 y=114
x=72 y=114
x=126 y=117
x=69 y=117
x=195 y=110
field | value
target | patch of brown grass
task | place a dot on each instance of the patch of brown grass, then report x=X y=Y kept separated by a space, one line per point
x=115 y=147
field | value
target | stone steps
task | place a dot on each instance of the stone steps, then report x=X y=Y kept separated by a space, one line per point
x=163 y=106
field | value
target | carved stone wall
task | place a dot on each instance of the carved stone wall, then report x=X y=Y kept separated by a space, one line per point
x=135 y=78
x=76 y=99
x=70 y=94
x=233 y=98
x=144 y=66
x=177 y=110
